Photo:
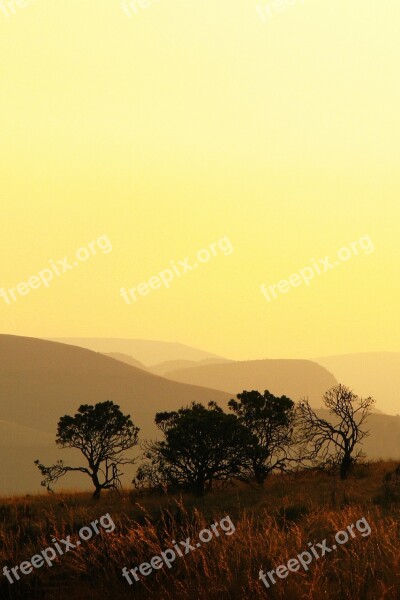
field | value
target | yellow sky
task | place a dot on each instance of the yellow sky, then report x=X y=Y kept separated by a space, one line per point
x=187 y=122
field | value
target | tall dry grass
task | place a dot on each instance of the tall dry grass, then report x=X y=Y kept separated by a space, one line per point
x=272 y=526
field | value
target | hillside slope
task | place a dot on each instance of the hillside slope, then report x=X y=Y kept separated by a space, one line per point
x=41 y=381
x=168 y=366
x=149 y=352
x=374 y=374
x=293 y=378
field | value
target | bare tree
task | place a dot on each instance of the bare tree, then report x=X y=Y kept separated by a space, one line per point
x=336 y=442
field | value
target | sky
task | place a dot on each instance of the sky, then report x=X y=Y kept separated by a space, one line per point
x=155 y=130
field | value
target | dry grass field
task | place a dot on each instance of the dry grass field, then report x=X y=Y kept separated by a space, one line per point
x=273 y=525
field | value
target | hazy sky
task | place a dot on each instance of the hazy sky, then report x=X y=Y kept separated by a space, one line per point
x=186 y=122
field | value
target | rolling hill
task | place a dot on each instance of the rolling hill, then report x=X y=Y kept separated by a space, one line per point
x=383 y=443
x=293 y=378
x=41 y=380
x=148 y=352
x=20 y=446
x=374 y=374
x=172 y=365
x=125 y=358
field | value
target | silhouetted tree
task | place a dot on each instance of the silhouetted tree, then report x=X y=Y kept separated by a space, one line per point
x=201 y=444
x=102 y=433
x=270 y=420
x=336 y=442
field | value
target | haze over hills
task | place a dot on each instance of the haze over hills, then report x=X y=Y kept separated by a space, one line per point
x=22 y=436
x=164 y=367
x=167 y=368
x=148 y=352
x=383 y=442
x=125 y=358
x=172 y=365
x=293 y=378
x=20 y=446
x=374 y=374
x=40 y=381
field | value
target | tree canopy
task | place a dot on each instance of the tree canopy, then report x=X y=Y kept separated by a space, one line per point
x=102 y=433
x=270 y=421
x=201 y=444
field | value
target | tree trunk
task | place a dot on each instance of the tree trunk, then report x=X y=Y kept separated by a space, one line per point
x=345 y=466
x=259 y=470
x=199 y=487
x=97 y=486
x=96 y=493
x=260 y=479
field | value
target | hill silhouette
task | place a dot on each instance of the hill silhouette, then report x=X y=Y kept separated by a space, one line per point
x=19 y=447
x=149 y=352
x=374 y=374
x=125 y=358
x=173 y=365
x=383 y=443
x=40 y=381
x=293 y=378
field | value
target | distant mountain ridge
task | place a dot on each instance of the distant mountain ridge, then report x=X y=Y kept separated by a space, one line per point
x=148 y=352
x=172 y=365
x=164 y=367
x=125 y=358
x=41 y=380
x=374 y=374
x=293 y=378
